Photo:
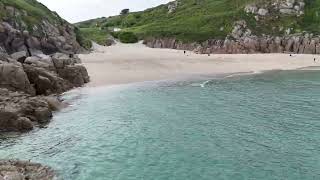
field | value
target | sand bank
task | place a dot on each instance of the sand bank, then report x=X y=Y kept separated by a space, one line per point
x=129 y=63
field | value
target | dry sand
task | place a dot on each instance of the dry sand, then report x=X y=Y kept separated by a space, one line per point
x=129 y=63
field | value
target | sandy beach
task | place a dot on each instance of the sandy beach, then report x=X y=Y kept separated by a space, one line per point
x=129 y=63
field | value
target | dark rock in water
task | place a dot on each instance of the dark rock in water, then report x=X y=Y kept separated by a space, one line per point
x=23 y=170
x=8 y=120
x=43 y=114
x=24 y=124
x=54 y=103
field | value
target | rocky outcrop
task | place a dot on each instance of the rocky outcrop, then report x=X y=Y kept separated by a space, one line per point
x=21 y=112
x=276 y=7
x=172 y=6
x=22 y=170
x=299 y=44
x=25 y=85
x=46 y=35
x=13 y=77
x=37 y=63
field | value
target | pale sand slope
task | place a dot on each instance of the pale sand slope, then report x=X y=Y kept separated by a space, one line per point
x=128 y=63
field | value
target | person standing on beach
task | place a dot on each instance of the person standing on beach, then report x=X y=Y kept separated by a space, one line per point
x=184 y=52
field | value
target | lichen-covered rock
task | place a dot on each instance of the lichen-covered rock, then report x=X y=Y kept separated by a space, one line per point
x=263 y=12
x=288 y=11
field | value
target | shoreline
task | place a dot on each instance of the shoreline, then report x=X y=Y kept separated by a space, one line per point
x=135 y=63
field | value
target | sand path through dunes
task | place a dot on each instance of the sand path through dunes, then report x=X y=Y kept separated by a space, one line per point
x=129 y=63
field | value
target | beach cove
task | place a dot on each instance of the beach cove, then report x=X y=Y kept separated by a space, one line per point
x=180 y=125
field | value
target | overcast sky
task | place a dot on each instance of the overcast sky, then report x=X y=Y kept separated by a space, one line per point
x=79 y=10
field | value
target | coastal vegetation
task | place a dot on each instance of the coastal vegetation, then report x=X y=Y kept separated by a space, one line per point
x=127 y=37
x=200 y=20
x=92 y=34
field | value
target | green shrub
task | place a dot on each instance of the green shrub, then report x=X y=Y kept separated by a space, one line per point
x=128 y=37
x=115 y=34
x=97 y=35
x=82 y=40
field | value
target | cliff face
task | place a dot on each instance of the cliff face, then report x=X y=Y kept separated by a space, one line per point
x=26 y=25
x=37 y=63
x=296 y=43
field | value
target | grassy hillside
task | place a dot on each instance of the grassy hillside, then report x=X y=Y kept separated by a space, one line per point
x=199 y=20
x=96 y=34
x=192 y=21
x=35 y=10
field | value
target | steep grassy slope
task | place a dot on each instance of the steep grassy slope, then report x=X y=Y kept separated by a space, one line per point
x=199 y=20
x=35 y=10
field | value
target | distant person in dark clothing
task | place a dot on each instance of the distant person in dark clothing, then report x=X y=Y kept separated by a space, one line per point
x=314 y=59
x=184 y=52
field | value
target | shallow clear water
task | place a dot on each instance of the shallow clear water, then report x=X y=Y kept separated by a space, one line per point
x=263 y=126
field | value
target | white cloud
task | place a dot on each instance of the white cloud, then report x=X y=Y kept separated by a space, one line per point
x=79 y=10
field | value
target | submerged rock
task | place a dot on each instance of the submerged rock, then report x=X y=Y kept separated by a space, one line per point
x=24 y=170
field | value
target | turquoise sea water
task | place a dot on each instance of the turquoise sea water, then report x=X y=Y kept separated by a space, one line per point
x=264 y=126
